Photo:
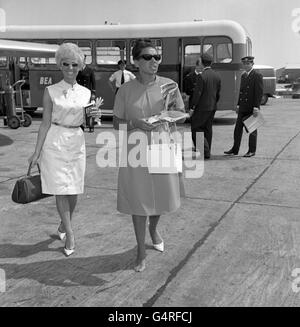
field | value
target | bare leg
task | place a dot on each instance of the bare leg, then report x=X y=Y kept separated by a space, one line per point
x=72 y=203
x=72 y=199
x=153 y=221
x=139 y=224
x=63 y=209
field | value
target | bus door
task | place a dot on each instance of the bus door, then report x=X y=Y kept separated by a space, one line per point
x=190 y=50
x=108 y=53
x=220 y=48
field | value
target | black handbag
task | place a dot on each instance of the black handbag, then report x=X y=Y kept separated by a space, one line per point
x=28 y=188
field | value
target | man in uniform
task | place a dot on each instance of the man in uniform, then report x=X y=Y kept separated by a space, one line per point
x=204 y=103
x=251 y=92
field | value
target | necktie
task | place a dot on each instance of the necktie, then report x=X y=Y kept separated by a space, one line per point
x=122 y=78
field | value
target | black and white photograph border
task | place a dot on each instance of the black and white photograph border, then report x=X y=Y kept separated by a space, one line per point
x=235 y=239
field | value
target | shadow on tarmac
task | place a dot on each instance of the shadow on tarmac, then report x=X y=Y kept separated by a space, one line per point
x=224 y=121
x=224 y=157
x=5 y=140
x=64 y=272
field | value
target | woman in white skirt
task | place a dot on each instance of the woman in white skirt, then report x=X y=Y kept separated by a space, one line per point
x=60 y=148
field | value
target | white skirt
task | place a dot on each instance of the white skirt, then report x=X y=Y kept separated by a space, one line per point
x=63 y=161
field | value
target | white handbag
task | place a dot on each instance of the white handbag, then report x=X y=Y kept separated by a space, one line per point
x=164 y=158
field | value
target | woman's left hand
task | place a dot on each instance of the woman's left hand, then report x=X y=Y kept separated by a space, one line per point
x=95 y=111
x=99 y=102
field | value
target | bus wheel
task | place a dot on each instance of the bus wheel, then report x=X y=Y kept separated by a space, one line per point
x=264 y=99
x=14 y=122
x=27 y=120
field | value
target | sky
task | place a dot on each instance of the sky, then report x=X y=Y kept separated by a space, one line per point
x=273 y=25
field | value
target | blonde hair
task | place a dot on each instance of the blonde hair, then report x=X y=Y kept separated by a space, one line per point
x=70 y=51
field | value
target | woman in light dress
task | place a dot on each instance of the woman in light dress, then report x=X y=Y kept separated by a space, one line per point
x=60 y=147
x=141 y=194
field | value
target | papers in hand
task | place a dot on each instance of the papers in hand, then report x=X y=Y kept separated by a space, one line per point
x=167 y=116
x=252 y=123
x=169 y=95
x=92 y=112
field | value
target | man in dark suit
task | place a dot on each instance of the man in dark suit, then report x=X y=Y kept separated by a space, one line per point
x=251 y=92
x=189 y=82
x=204 y=103
x=86 y=77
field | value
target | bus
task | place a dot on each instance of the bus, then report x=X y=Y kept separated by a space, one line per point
x=180 y=45
x=269 y=81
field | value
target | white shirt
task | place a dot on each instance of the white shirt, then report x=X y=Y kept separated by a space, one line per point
x=116 y=76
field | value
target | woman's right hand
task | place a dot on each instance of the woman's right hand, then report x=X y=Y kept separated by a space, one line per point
x=142 y=124
x=33 y=159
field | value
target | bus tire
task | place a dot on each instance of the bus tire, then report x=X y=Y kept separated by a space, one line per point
x=264 y=99
x=27 y=120
x=14 y=122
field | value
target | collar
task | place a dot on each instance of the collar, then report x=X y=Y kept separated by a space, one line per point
x=67 y=85
x=248 y=73
x=197 y=73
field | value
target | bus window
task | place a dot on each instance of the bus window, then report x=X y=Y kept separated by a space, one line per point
x=208 y=49
x=224 y=53
x=43 y=61
x=219 y=47
x=3 y=61
x=109 y=52
x=191 y=54
x=37 y=61
x=156 y=42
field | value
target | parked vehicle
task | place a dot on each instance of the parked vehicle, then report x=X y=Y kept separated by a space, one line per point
x=180 y=45
x=269 y=80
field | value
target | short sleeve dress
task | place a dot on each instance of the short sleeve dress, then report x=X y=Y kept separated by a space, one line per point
x=141 y=193
x=62 y=158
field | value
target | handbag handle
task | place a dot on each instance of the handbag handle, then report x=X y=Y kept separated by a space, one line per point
x=29 y=168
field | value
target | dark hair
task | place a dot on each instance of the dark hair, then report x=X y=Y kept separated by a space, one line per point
x=139 y=45
x=120 y=62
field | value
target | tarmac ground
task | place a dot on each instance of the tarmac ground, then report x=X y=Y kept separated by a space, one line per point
x=235 y=241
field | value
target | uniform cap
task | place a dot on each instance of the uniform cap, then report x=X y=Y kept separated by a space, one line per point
x=247 y=59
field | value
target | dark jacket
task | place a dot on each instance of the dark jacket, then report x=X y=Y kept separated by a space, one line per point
x=207 y=91
x=251 y=91
x=189 y=83
x=86 y=77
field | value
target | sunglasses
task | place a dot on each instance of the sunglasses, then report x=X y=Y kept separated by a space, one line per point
x=148 y=57
x=65 y=64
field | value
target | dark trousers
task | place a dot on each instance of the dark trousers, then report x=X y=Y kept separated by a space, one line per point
x=203 y=124
x=238 y=133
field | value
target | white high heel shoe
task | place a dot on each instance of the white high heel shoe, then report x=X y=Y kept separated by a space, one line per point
x=68 y=252
x=159 y=247
x=61 y=235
